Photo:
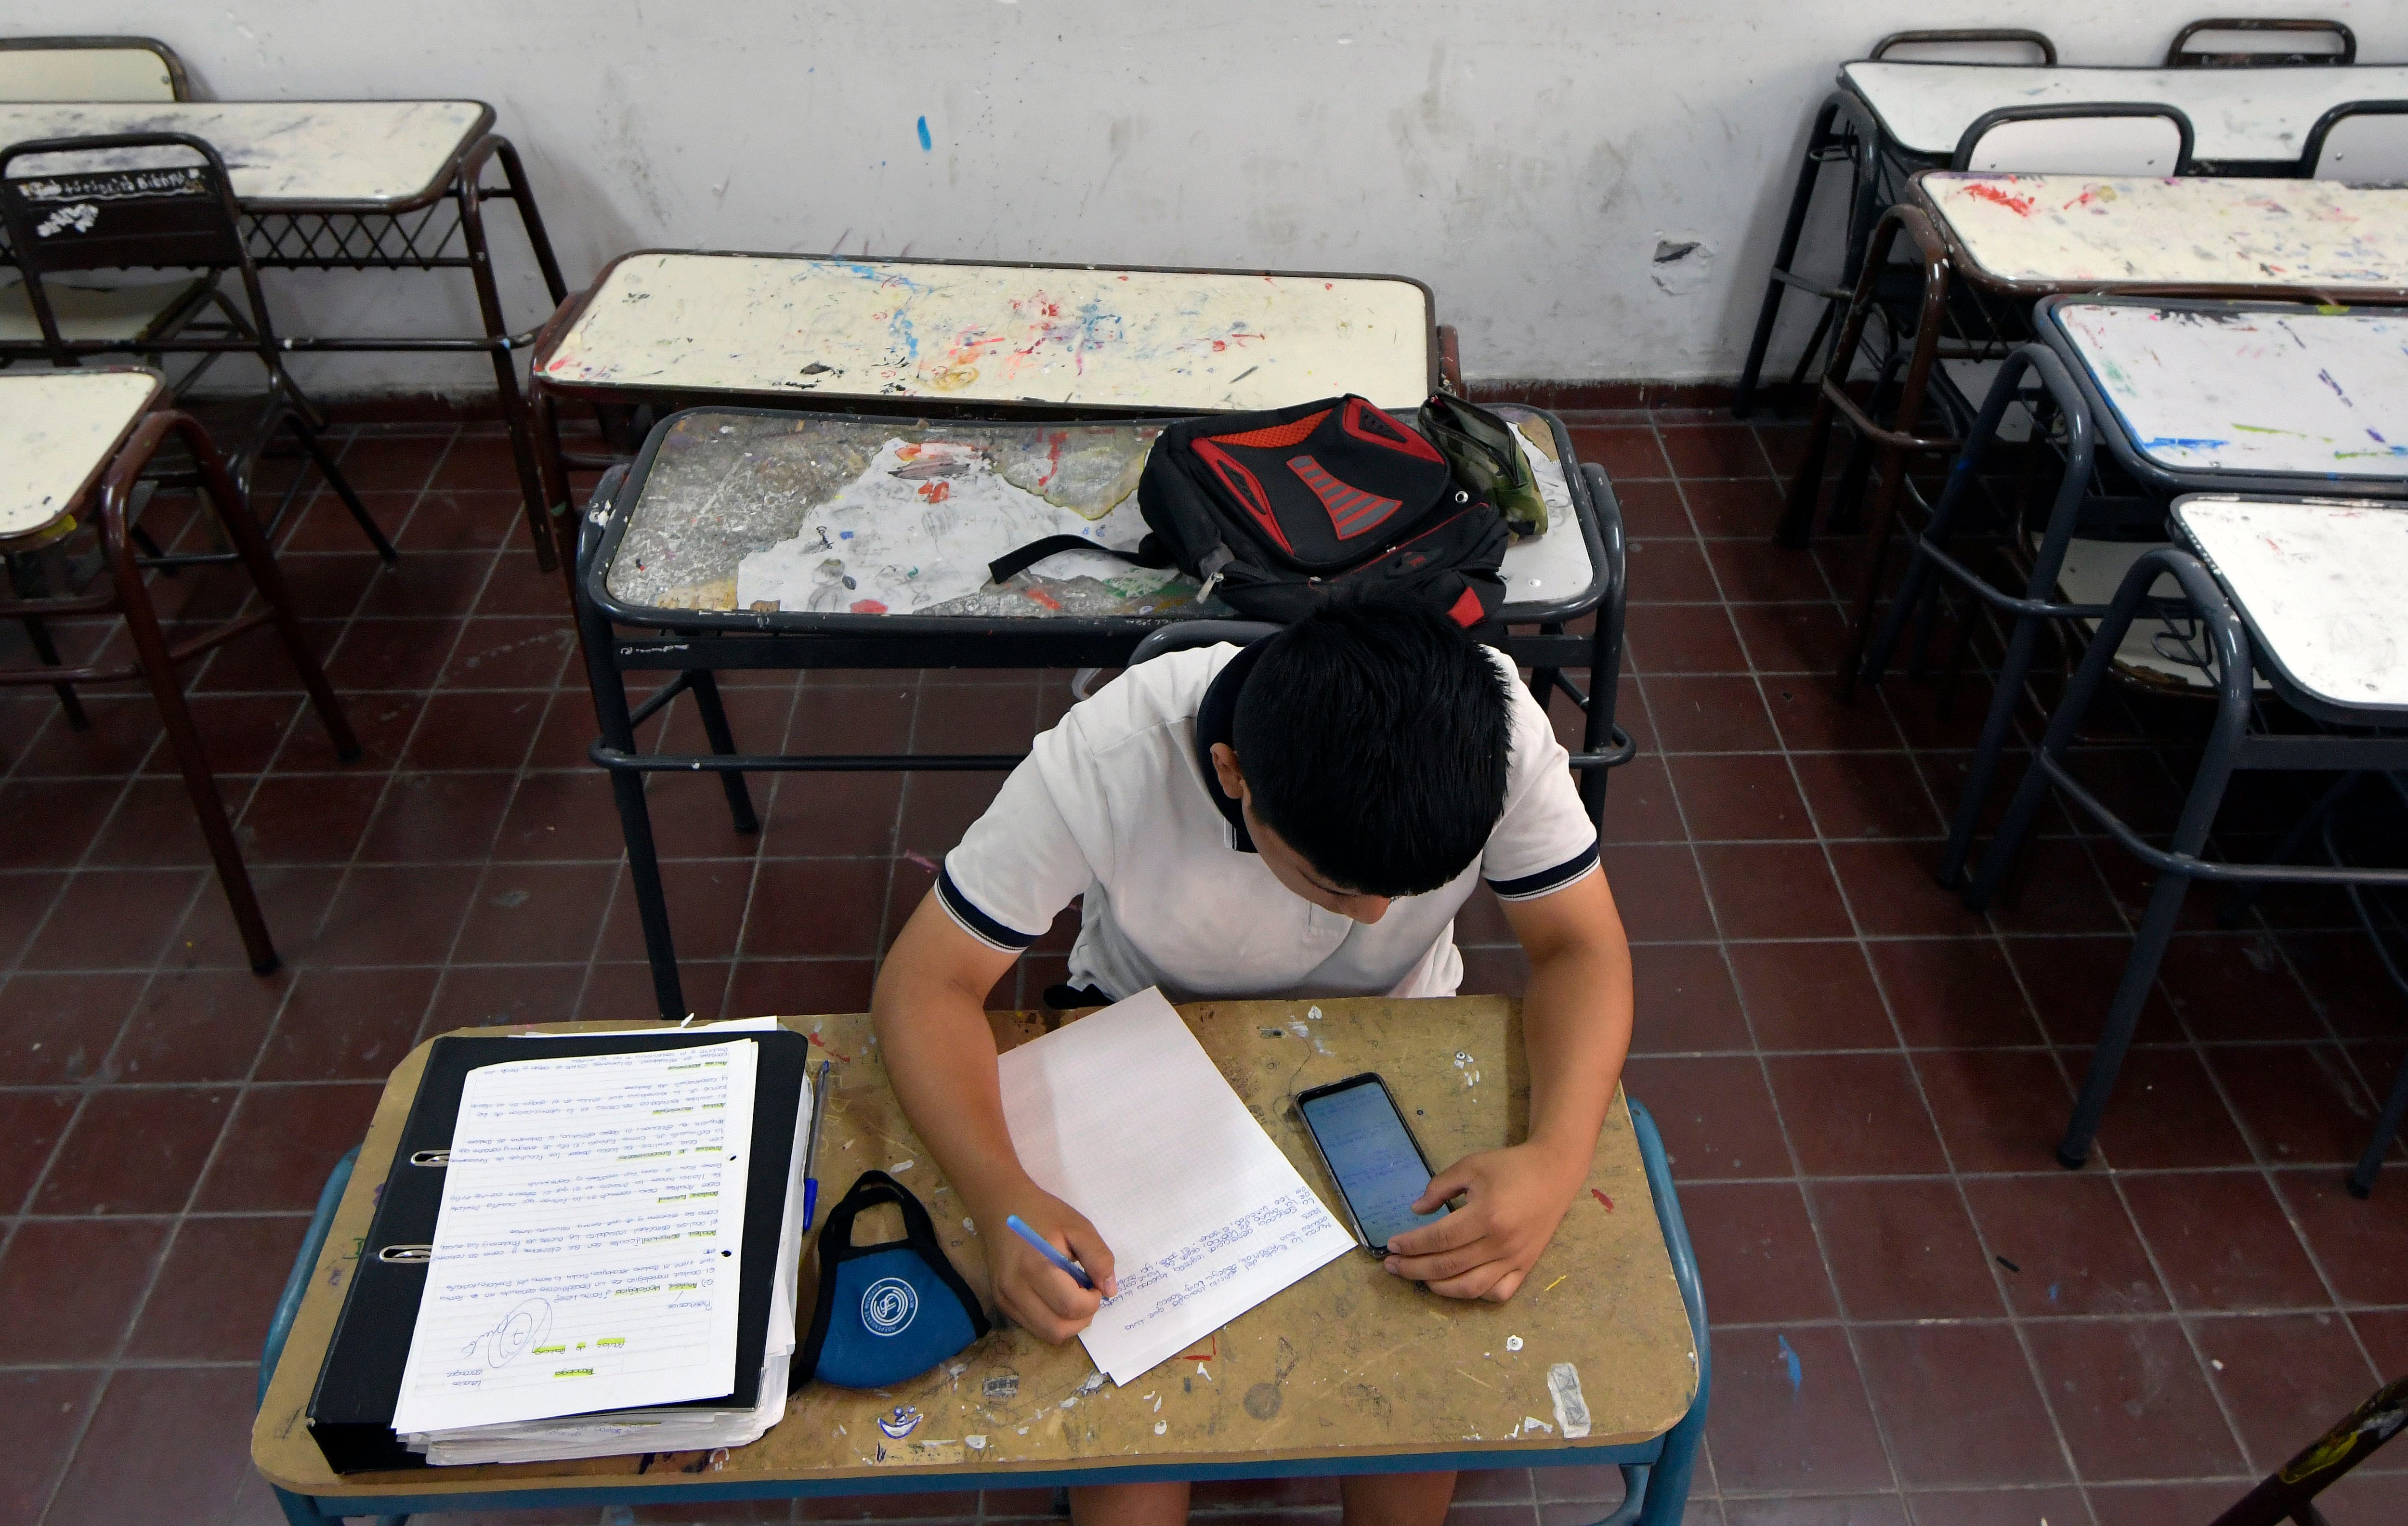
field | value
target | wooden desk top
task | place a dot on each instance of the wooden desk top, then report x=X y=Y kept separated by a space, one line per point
x=2202 y=387
x=2260 y=115
x=58 y=429
x=2053 y=233
x=302 y=154
x=2316 y=581
x=1168 y=341
x=736 y=509
x=1349 y=1360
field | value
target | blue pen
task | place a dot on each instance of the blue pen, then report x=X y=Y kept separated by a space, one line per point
x=1047 y=1251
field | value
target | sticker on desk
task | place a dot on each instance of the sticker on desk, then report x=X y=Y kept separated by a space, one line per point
x=920 y=1454
x=1571 y=1410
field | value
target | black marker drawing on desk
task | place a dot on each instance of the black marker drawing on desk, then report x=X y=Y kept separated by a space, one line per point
x=522 y=1327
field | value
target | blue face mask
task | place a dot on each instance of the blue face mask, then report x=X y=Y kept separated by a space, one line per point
x=886 y=1312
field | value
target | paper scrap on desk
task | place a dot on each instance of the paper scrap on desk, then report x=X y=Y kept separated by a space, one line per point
x=918 y=527
x=1122 y=1115
x=585 y=1254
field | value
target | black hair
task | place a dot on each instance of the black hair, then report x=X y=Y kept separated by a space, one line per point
x=1373 y=740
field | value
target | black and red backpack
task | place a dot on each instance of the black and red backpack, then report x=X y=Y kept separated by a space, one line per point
x=1281 y=512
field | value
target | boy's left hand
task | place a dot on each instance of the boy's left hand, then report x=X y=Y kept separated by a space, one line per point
x=1513 y=1200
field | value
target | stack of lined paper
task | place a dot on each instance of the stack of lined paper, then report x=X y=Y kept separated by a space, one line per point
x=587 y=1283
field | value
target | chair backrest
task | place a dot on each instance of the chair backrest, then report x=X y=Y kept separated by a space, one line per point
x=156 y=200
x=1181 y=635
x=91 y=69
x=2363 y=142
x=2251 y=42
x=1966 y=45
x=2106 y=137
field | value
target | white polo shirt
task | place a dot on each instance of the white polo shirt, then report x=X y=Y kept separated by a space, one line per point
x=1118 y=803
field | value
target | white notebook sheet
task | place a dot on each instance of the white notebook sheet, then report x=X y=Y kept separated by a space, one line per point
x=586 y=1254
x=1122 y=1115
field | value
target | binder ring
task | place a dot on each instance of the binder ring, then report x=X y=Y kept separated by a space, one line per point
x=431 y=1157
x=407 y=1253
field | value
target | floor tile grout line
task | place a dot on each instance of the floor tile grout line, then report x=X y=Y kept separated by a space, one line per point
x=1890 y=1002
x=778 y=783
x=1780 y=1122
x=2022 y=1336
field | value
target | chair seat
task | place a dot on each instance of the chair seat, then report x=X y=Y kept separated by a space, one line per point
x=124 y=314
x=2092 y=571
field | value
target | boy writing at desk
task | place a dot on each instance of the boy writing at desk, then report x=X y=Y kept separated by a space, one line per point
x=1300 y=818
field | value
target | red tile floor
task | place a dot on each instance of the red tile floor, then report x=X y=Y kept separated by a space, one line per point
x=1919 y=1317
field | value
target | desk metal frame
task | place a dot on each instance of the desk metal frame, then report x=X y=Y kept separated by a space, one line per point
x=1655 y=1474
x=696 y=643
x=439 y=227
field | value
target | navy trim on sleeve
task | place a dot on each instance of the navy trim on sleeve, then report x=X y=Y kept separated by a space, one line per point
x=977 y=923
x=1545 y=879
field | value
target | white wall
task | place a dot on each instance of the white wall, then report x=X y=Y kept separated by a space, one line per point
x=1521 y=156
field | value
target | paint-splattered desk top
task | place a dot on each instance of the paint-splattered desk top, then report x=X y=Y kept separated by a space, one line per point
x=295 y=155
x=1349 y=1362
x=775 y=514
x=2319 y=583
x=1061 y=337
x=2080 y=232
x=2206 y=389
x=58 y=429
x=2236 y=115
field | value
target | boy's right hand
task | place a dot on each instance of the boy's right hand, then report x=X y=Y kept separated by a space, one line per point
x=1031 y=1290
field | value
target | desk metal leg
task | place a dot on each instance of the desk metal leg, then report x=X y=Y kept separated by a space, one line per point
x=723 y=741
x=1662 y=1489
x=1818 y=145
x=618 y=728
x=2221 y=753
x=489 y=302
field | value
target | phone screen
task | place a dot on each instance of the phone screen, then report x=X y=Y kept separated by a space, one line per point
x=1373 y=1157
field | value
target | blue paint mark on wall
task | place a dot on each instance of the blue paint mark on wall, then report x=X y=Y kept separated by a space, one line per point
x=2178 y=442
x=927 y=143
x=1796 y=1368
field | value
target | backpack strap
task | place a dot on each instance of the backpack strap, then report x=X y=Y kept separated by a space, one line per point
x=1150 y=553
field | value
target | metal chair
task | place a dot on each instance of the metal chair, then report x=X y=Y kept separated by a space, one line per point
x=1930 y=323
x=91 y=69
x=156 y=200
x=2231 y=39
x=2361 y=142
x=1836 y=136
x=2084 y=515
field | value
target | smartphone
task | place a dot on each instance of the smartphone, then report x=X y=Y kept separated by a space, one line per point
x=1378 y=1167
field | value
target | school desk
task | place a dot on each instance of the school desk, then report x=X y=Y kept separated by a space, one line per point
x=676 y=558
x=354 y=185
x=74 y=444
x=2020 y=237
x=1888 y=118
x=2303 y=593
x=2198 y=396
x=977 y=338
x=1351 y=1370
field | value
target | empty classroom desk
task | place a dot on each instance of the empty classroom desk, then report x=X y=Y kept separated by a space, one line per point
x=1891 y=118
x=2020 y=237
x=73 y=446
x=2303 y=593
x=351 y=185
x=1350 y=1371
x=749 y=538
x=2195 y=397
x=957 y=338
